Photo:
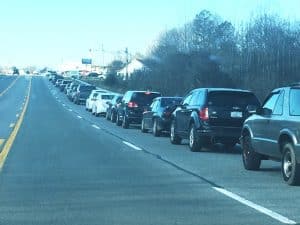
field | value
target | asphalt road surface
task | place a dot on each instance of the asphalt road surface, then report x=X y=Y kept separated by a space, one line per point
x=66 y=166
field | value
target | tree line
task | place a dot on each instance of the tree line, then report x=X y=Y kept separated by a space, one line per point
x=259 y=55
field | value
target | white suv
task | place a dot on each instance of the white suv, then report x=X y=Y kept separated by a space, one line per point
x=100 y=104
x=92 y=98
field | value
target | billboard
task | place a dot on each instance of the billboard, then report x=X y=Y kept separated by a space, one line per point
x=86 y=61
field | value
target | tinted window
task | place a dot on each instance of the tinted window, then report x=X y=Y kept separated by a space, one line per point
x=144 y=97
x=107 y=97
x=278 y=110
x=271 y=101
x=231 y=99
x=170 y=101
x=295 y=102
x=86 y=88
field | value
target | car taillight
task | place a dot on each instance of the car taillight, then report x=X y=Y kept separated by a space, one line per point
x=203 y=114
x=132 y=105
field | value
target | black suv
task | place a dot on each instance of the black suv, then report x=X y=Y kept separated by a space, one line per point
x=273 y=133
x=82 y=93
x=211 y=115
x=132 y=106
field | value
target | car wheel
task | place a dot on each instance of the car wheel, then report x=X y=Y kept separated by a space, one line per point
x=125 y=123
x=143 y=129
x=155 y=130
x=289 y=166
x=174 y=138
x=194 y=140
x=251 y=159
x=118 y=121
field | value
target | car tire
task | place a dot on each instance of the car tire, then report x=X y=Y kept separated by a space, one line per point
x=155 y=130
x=251 y=159
x=118 y=121
x=174 y=138
x=289 y=167
x=194 y=140
x=125 y=123
x=143 y=129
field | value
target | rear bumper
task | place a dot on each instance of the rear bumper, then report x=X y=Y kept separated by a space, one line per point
x=221 y=134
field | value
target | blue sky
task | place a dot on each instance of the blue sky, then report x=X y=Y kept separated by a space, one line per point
x=35 y=32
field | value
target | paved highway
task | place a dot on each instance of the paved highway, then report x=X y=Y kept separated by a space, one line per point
x=67 y=167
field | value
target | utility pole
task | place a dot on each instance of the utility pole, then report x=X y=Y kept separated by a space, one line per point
x=127 y=62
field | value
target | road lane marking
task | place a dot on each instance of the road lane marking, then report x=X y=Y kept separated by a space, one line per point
x=96 y=127
x=11 y=125
x=8 y=144
x=79 y=117
x=132 y=146
x=17 y=115
x=9 y=87
x=257 y=207
x=70 y=110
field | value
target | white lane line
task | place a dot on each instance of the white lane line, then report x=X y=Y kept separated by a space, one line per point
x=132 y=146
x=63 y=105
x=79 y=117
x=257 y=207
x=17 y=115
x=95 y=126
x=11 y=125
x=70 y=110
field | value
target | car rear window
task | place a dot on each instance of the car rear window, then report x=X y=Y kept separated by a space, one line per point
x=231 y=99
x=170 y=101
x=107 y=97
x=144 y=97
x=86 y=88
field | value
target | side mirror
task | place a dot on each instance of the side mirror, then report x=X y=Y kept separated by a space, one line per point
x=264 y=111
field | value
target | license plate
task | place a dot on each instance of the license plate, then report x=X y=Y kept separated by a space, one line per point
x=236 y=114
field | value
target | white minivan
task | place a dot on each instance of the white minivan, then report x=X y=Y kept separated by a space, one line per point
x=92 y=98
x=101 y=103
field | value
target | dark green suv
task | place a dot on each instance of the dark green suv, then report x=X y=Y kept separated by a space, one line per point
x=273 y=132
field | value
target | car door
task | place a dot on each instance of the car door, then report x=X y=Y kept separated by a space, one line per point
x=274 y=127
x=181 y=114
x=147 y=116
x=261 y=125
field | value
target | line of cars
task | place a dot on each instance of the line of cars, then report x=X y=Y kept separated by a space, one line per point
x=205 y=116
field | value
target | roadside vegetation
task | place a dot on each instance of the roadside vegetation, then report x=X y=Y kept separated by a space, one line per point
x=259 y=55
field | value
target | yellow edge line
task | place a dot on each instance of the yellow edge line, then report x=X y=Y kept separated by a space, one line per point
x=10 y=86
x=8 y=144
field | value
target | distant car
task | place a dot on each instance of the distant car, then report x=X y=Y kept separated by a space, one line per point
x=111 y=112
x=92 y=98
x=133 y=105
x=64 y=84
x=58 y=82
x=82 y=93
x=101 y=103
x=159 y=116
x=72 y=90
x=272 y=132
x=93 y=74
x=211 y=115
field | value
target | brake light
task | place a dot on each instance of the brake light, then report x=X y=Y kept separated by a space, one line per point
x=132 y=105
x=203 y=114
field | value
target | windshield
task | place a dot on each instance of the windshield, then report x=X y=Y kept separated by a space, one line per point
x=77 y=154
